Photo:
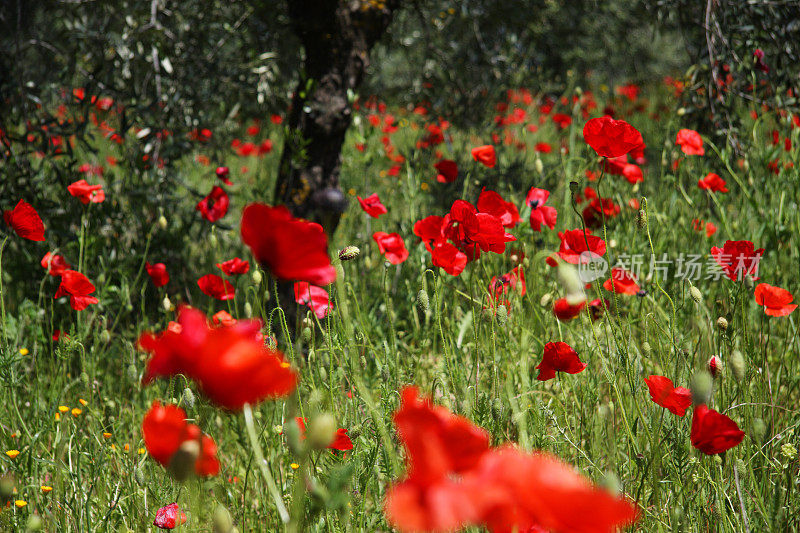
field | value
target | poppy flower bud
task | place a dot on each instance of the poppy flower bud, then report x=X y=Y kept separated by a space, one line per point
x=538 y=165
x=641 y=219
x=166 y=304
x=182 y=463
x=349 y=253
x=323 y=374
x=138 y=476
x=256 y=276
x=702 y=384
x=487 y=314
x=222 y=521
x=738 y=366
x=497 y=408
x=248 y=310
x=696 y=295
x=306 y=334
x=722 y=323
x=546 y=300
x=132 y=373
x=714 y=366
x=502 y=315
x=681 y=111
x=759 y=429
x=646 y=349
x=188 y=398
x=292 y=432
x=322 y=431
x=611 y=483
x=423 y=303
x=162 y=222
x=34 y=523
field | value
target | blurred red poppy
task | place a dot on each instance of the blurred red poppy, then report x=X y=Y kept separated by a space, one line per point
x=234 y=266
x=25 y=221
x=78 y=288
x=611 y=138
x=169 y=517
x=712 y=432
x=292 y=249
x=712 y=182
x=216 y=287
x=574 y=246
x=87 y=193
x=223 y=173
x=597 y=209
x=662 y=391
x=499 y=287
x=448 y=171
x=214 y=206
x=492 y=203
x=314 y=297
x=391 y=245
x=164 y=429
x=231 y=364
x=372 y=205
x=222 y=318
x=564 y=311
x=540 y=213
x=738 y=259
x=621 y=282
x=690 y=142
x=55 y=264
x=485 y=155
x=341 y=442
x=774 y=300
x=558 y=357
x=158 y=273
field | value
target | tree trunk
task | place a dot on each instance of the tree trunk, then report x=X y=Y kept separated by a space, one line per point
x=337 y=36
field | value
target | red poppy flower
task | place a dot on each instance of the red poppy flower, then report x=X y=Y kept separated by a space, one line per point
x=341 y=441
x=429 y=229
x=55 y=264
x=25 y=221
x=292 y=249
x=314 y=297
x=448 y=257
x=216 y=287
x=564 y=311
x=611 y=138
x=632 y=173
x=214 y=206
x=87 y=193
x=169 y=517
x=492 y=203
x=223 y=173
x=372 y=205
x=714 y=365
x=574 y=250
x=391 y=245
x=164 y=429
x=499 y=287
x=597 y=307
x=621 y=282
x=78 y=288
x=448 y=171
x=222 y=318
x=712 y=182
x=712 y=432
x=690 y=142
x=439 y=447
x=231 y=364
x=485 y=155
x=738 y=259
x=543 y=148
x=158 y=273
x=675 y=399
x=537 y=492
x=472 y=231
x=234 y=266
x=558 y=357
x=561 y=120
x=774 y=300
x=597 y=208
x=540 y=213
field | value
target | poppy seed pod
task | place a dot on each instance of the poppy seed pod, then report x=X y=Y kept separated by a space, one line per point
x=349 y=253
x=702 y=385
x=738 y=366
x=322 y=431
x=696 y=295
x=182 y=463
x=574 y=187
x=722 y=323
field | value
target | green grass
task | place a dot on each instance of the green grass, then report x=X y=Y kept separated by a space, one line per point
x=381 y=337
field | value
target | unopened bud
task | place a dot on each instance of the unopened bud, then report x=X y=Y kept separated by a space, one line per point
x=181 y=466
x=702 y=384
x=349 y=253
x=138 y=476
x=256 y=276
x=714 y=366
x=166 y=303
x=546 y=300
x=681 y=111
x=696 y=295
x=759 y=429
x=322 y=431
x=738 y=365
x=162 y=222
x=248 y=310
x=722 y=323
x=610 y=482
x=641 y=219
x=223 y=523
x=538 y=165
x=132 y=373
x=423 y=303
x=188 y=398
x=502 y=315
x=305 y=334
x=646 y=349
